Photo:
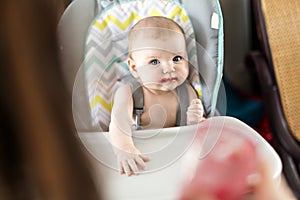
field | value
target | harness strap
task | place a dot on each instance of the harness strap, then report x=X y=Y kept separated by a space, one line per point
x=183 y=99
x=138 y=99
x=138 y=106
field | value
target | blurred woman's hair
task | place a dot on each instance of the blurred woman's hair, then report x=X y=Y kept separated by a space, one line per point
x=40 y=154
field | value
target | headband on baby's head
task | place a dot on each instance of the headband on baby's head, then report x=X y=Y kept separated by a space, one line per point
x=157 y=38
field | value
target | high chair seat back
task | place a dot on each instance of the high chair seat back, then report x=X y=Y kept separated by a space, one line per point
x=105 y=49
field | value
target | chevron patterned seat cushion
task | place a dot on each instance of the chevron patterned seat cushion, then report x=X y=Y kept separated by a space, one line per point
x=106 y=50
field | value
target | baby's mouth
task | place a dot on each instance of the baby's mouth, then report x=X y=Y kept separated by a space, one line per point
x=165 y=80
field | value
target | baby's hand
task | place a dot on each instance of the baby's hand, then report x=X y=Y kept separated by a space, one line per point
x=195 y=112
x=130 y=160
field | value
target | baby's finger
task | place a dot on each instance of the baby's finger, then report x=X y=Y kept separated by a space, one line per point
x=145 y=158
x=196 y=101
x=126 y=168
x=140 y=162
x=197 y=106
x=133 y=166
x=193 y=118
x=120 y=167
x=194 y=115
x=195 y=112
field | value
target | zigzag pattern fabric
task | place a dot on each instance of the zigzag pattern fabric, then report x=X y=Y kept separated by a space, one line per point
x=106 y=50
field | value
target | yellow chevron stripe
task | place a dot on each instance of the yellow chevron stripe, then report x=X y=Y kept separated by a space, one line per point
x=112 y=18
x=154 y=12
x=178 y=11
x=97 y=100
x=134 y=16
x=101 y=26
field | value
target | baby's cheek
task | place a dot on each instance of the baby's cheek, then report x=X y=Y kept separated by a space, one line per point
x=183 y=73
x=148 y=74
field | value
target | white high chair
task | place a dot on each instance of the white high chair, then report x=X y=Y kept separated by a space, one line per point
x=165 y=147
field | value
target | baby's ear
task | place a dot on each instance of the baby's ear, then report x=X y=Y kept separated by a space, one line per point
x=132 y=67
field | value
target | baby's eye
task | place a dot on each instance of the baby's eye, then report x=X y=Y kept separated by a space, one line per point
x=154 y=62
x=177 y=58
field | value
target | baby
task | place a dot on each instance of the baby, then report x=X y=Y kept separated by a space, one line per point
x=158 y=61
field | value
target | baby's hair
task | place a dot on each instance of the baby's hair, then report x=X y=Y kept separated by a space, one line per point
x=158 y=22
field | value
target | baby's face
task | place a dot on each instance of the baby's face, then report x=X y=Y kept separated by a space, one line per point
x=158 y=57
x=159 y=70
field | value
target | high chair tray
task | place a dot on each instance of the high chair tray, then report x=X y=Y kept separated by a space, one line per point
x=166 y=148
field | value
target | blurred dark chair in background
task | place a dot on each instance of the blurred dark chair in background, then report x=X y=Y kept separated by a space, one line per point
x=277 y=64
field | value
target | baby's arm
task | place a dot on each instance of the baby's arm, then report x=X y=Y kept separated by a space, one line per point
x=195 y=112
x=129 y=157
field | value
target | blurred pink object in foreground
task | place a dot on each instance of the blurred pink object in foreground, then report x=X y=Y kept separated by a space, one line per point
x=218 y=163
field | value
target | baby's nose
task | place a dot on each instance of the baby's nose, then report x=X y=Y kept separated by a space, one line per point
x=168 y=67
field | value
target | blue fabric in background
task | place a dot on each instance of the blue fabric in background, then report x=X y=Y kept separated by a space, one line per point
x=247 y=109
